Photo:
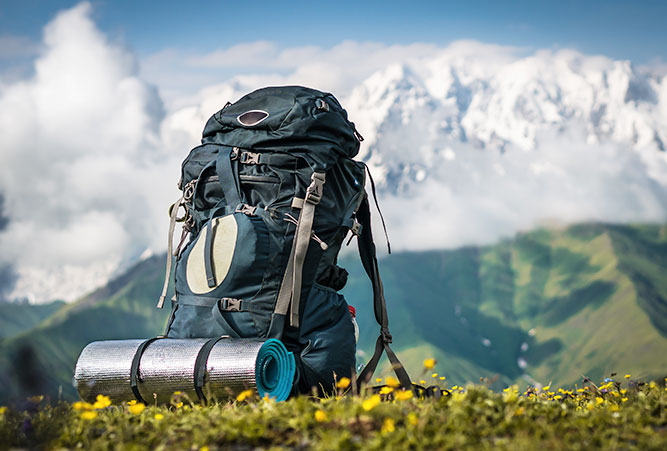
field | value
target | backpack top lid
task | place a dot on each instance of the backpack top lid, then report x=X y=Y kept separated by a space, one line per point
x=291 y=119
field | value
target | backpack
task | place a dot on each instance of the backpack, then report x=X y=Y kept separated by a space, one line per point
x=268 y=198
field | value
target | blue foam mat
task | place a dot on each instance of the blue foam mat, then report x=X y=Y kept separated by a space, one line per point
x=274 y=370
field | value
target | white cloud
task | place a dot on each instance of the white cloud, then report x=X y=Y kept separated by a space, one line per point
x=337 y=69
x=80 y=162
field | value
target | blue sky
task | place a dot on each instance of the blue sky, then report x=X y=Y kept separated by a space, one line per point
x=619 y=29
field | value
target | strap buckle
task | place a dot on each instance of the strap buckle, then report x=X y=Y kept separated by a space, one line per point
x=356 y=227
x=246 y=209
x=231 y=304
x=314 y=191
x=234 y=154
x=249 y=158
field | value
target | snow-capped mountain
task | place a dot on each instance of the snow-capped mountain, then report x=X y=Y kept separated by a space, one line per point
x=468 y=149
x=418 y=115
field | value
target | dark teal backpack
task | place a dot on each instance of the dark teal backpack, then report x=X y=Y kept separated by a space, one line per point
x=268 y=198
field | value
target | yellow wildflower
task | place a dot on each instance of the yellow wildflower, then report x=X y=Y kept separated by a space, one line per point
x=388 y=426
x=614 y=408
x=413 y=419
x=320 y=416
x=422 y=382
x=547 y=388
x=627 y=376
x=652 y=385
x=599 y=400
x=81 y=405
x=88 y=415
x=378 y=380
x=442 y=378
x=520 y=411
x=159 y=416
x=386 y=390
x=371 y=403
x=245 y=394
x=624 y=399
x=137 y=408
x=3 y=409
x=429 y=364
x=590 y=406
x=455 y=387
x=343 y=383
x=393 y=382
x=179 y=405
x=434 y=375
x=101 y=402
x=403 y=395
x=131 y=403
x=176 y=393
x=558 y=397
x=203 y=448
x=624 y=391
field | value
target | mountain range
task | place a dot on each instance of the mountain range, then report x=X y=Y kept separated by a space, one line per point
x=545 y=306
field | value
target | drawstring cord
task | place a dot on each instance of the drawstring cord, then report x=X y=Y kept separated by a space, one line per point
x=292 y=220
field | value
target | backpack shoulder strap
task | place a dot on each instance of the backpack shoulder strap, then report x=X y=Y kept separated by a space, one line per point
x=369 y=261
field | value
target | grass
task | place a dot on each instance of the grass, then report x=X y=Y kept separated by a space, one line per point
x=620 y=413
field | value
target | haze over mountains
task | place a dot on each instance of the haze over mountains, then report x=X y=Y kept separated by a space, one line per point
x=469 y=143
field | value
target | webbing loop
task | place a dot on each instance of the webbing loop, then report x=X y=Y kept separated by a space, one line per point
x=134 y=369
x=199 y=376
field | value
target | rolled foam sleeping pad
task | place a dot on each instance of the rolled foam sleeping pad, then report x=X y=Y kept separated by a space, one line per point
x=167 y=365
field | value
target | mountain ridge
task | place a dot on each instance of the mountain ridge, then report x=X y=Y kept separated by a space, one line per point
x=549 y=305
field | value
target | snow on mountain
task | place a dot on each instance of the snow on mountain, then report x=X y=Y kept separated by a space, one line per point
x=469 y=149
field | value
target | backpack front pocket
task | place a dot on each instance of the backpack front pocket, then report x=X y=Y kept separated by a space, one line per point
x=231 y=262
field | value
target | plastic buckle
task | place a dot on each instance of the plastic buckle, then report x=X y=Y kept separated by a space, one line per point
x=249 y=158
x=231 y=304
x=321 y=105
x=314 y=191
x=234 y=154
x=356 y=228
x=246 y=209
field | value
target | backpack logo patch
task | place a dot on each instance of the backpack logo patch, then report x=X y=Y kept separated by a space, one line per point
x=252 y=117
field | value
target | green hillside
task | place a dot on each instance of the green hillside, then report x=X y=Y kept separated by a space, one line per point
x=17 y=317
x=584 y=300
x=41 y=360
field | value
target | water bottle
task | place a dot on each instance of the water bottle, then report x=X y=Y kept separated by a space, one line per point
x=353 y=314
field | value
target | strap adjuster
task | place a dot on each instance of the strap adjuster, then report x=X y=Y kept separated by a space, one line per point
x=246 y=209
x=356 y=228
x=314 y=191
x=234 y=154
x=231 y=304
x=249 y=158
